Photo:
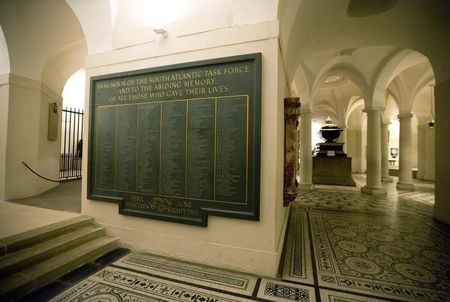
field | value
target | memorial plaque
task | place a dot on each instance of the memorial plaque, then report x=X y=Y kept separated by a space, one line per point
x=179 y=142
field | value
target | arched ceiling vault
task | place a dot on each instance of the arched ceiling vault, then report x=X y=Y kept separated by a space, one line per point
x=42 y=37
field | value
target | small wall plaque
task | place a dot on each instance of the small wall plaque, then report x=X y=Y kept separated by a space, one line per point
x=52 y=134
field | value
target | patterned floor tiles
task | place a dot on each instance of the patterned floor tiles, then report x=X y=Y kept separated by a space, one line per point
x=187 y=272
x=381 y=256
x=353 y=201
x=334 y=296
x=298 y=269
x=275 y=290
x=119 y=285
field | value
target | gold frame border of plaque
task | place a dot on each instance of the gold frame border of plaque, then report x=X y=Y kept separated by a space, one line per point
x=179 y=142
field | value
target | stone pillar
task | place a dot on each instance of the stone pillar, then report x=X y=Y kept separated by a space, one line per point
x=305 y=151
x=421 y=151
x=385 y=153
x=343 y=138
x=373 y=183
x=442 y=166
x=430 y=145
x=405 y=166
x=291 y=115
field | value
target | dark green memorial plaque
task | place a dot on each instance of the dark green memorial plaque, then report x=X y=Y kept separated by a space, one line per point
x=178 y=142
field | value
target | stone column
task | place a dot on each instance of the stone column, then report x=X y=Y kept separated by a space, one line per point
x=343 y=138
x=385 y=153
x=305 y=151
x=373 y=183
x=421 y=151
x=405 y=165
x=291 y=115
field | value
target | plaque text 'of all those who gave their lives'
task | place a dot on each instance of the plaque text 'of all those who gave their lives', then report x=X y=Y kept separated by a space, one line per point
x=178 y=142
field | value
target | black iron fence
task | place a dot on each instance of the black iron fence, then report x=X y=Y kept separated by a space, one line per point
x=71 y=143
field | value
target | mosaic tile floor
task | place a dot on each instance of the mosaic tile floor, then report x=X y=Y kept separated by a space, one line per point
x=366 y=248
x=342 y=246
x=144 y=277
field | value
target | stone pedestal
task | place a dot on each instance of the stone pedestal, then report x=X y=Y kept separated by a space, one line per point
x=331 y=166
x=291 y=116
x=333 y=171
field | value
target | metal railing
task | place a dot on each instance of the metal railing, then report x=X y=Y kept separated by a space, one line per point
x=71 y=143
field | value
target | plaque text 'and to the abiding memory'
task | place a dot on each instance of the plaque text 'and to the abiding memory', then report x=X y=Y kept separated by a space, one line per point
x=179 y=142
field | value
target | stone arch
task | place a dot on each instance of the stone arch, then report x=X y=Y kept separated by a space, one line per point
x=301 y=86
x=394 y=64
x=425 y=80
x=349 y=71
x=63 y=64
x=4 y=55
x=355 y=102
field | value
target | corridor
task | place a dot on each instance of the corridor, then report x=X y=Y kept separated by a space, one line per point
x=341 y=245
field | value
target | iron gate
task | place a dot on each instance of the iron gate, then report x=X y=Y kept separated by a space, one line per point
x=71 y=143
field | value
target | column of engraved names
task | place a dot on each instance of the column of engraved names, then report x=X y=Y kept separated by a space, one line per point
x=201 y=141
x=173 y=148
x=231 y=149
x=149 y=118
x=105 y=147
x=126 y=148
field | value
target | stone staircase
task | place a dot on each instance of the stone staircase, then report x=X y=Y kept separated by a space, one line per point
x=32 y=259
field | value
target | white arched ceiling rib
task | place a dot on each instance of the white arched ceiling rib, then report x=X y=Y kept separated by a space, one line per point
x=287 y=12
x=356 y=102
x=324 y=108
x=399 y=89
x=426 y=79
x=423 y=105
x=4 y=55
x=301 y=85
x=340 y=103
x=347 y=70
x=392 y=66
x=391 y=109
x=392 y=92
x=68 y=60
x=96 y=21
x=35 y=31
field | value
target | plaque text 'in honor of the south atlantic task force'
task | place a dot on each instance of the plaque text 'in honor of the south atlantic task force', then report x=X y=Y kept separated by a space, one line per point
x=178 y=142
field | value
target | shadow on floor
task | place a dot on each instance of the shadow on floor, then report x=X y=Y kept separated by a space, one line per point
x=64 y=197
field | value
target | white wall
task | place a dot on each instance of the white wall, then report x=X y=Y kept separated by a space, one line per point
x=229 y=243
x=26 y=138
x=4 y=105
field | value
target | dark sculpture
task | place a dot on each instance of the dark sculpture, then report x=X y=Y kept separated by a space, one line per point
x=330 y=132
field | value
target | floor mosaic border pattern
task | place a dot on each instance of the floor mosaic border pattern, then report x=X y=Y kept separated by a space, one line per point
x=334 y=296
x=115 y=284
x=127 y=284
x=380 y=256
x=187 y=272
x=275 y=290
x=298 y=269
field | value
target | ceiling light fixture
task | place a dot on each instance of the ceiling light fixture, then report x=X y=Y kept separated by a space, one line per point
x=431 y=122
x=161 y=31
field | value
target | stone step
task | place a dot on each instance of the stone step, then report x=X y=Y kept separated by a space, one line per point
x=17 y=285
x=22 y=258
x=19 y=241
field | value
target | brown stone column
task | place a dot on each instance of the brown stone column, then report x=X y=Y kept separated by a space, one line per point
x=291 y=116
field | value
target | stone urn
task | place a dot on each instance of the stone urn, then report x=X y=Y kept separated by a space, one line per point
x=330 y=132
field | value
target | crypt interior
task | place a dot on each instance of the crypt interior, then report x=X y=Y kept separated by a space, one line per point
x=379 y=71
